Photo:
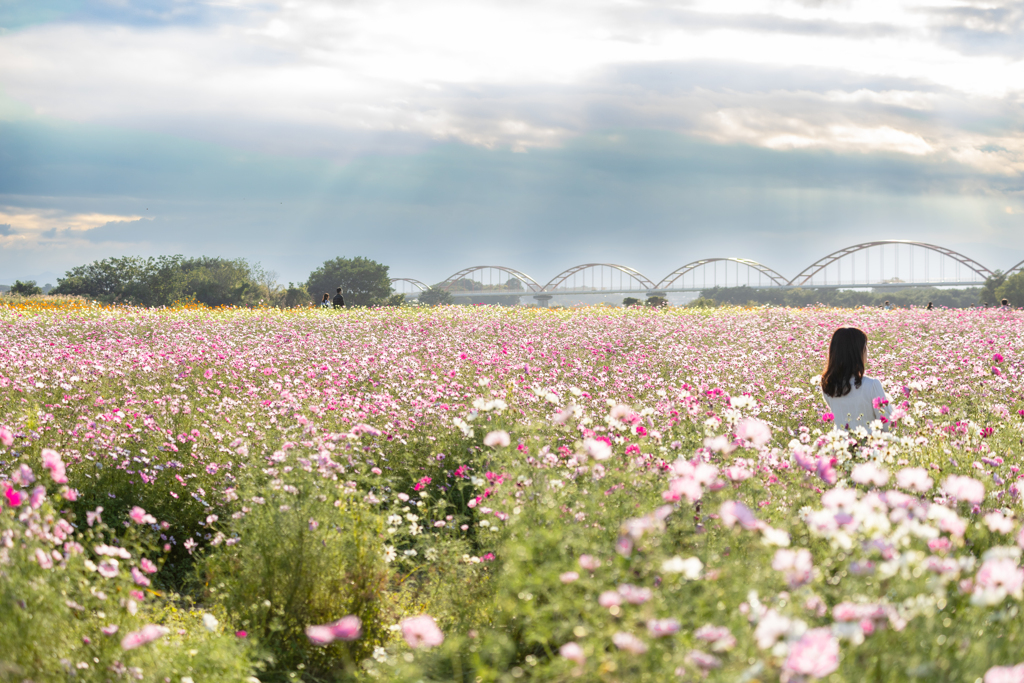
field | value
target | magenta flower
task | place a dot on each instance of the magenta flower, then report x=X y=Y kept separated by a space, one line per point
x=13 y=497
x=147 y=634
x=147 y=566
x=421 y=632
x=816 y=654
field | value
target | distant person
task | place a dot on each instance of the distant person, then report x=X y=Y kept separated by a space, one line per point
x=887 y=306
x=929 y=306
x=339 y=300
x=1005 y=304
x=326 y=301
x=854 y=399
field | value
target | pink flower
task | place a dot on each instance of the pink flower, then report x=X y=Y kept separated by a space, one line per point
x=816 y=654
x=107 y=568
x=139 y=578
x=869 y=473
x=52 y=462
x=140 y=516
x=597 y=449
x=569 y=577
x=147 y=566
x=914 y=479
x=796 y=565
x=320 y=635
x=634 y=595
x=94 y=516
x=43 y=559
x=964 y=489
x=421 y=632
x=1005 y=674
x=733 y=512
x=589 y=562
x=720 y=637
x=609 y=599
x=757 y=432
x=573 y=652
x=23 y=476
x=146 y=634
x=347 y=628
x=497 y=439
x=110 y=629
x=6 y=437
x=629 y=643
x=36 y=498
x=659 y=628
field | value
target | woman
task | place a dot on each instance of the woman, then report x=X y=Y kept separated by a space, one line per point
x=855 y=400
x=326 y=301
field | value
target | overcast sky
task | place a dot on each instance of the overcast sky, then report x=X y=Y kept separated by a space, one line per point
x=433 y=135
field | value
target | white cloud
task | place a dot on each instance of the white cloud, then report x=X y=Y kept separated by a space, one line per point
x=29 y=225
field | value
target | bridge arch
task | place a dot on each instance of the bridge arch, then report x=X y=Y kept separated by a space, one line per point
x=602 y=277
x=488 y=273
x=1014 y=269
x=829 y=268
x=765 y=276
x=412 y=283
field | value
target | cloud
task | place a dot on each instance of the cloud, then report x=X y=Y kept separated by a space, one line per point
x=6 y=229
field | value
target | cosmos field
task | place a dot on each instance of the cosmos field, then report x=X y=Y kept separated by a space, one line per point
x=495 y=494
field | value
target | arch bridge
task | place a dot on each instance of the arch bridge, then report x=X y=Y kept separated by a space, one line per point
x=877 y=264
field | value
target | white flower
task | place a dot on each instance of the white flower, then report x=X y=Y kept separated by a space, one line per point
x=210 y=622
x=380 y=654
x=690 y=568
x=497 y=439
x=389 y=554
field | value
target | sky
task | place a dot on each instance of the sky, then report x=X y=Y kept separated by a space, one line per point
x=433 y=135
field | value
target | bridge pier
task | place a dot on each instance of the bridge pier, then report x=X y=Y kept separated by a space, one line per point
x=542 y=299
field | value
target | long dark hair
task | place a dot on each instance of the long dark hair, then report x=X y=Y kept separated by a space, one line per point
x=845 y=361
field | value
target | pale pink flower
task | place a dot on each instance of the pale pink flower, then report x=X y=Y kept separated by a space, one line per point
x=139 y=578
x=868 y=473
x=497 y=439
x=146 y=634
x=421 y=632
x=52 y=462
x=43 y=559
x=569 y=577
x=6 y=437
x=733 y=512
x=140 y=516
x=634 y=595
x=597 y=449
x=110 y=629
x=36 y=498
x=738 y=473
x=94 y=516
x=914 y=479
x=659 y=628
x=702 y=660
x=964 y=489
x=684 y=487
x=609 y=599
x=997 y=523
x=107 y=568
x=589 y=562
x=1005 y=674
x=573 y=652
x=816 y=654
x=757 y=432
x=23 y=476
x=796 y=565
x=997 y=578
x=629 y=643
x=720 y=637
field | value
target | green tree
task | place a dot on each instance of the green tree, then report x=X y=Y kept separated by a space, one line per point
x=988 y=290
x=363 y=282
x=630 y=301
x=296 y=295
x=436 y=296
x=27 y=288
x=1012 y=289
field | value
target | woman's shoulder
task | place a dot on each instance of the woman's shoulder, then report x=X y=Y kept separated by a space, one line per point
x=871 y=383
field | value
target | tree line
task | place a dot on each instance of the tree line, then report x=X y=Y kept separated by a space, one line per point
x=216 y=281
